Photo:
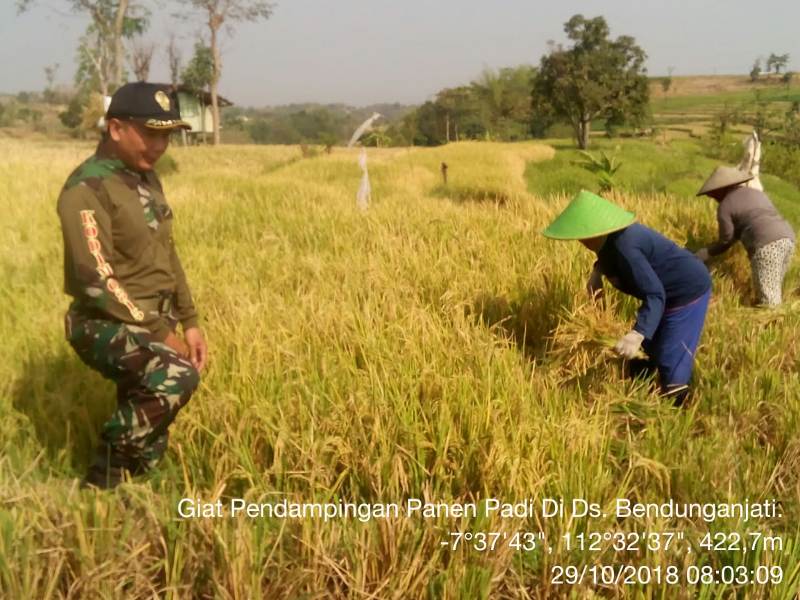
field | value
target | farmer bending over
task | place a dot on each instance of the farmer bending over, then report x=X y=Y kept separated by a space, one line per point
x=746 y=214
x=673 y=285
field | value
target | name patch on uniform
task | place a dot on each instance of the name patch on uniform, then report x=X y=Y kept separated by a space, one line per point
x=90 y=232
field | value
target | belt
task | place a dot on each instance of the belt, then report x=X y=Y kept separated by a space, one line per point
x=162 y=302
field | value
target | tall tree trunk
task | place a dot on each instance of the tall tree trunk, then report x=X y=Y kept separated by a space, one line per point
x=99 y=68
x=174 y=60
x=119 y=23
x=214 y=24
x=584 y=126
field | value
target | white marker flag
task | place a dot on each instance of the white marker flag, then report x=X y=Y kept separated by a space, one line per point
x=363 y=194
x=751 y=161
x=101 y=122
x=362 y=197
x=362 y=129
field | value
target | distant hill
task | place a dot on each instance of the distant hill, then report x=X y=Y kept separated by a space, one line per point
x=304 y=123
x=706 y=85
x=685 y=109
x=691 y=104
x=390 y=111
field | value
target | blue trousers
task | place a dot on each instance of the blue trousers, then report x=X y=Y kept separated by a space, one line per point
x=673 y=346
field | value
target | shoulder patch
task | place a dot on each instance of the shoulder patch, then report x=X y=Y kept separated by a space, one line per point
x=94 y=169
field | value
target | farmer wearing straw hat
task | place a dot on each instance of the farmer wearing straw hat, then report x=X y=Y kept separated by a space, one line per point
x=673 y=285
x=128 y=287
x=746 y=214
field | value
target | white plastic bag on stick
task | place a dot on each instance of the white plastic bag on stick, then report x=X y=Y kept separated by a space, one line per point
x=363 y=194
x=101 y=122
x=751 y=161
x=362 y=129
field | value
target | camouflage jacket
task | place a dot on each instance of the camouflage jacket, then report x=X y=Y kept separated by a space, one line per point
x=119 y=255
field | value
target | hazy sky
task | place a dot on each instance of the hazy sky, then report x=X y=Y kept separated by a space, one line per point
x=365 y=51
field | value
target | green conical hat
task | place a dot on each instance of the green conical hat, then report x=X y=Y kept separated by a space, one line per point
x=588 y=216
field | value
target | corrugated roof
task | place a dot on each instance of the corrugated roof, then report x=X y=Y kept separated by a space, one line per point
x=204 y=96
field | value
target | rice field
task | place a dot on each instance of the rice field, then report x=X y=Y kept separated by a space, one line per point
x=435 y=347
x=692 y=104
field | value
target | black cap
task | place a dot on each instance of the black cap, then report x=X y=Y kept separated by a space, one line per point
x=155 y=105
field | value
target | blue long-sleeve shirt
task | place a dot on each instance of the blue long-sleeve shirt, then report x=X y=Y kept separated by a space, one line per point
x=643 y=263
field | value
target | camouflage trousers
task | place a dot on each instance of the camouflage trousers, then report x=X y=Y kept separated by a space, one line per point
x=153 y=384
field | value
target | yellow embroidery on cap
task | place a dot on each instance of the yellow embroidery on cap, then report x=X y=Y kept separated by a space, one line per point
x=168 y=124
x=163 y=100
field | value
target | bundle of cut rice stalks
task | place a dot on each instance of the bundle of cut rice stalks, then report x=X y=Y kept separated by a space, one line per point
x=582 y=343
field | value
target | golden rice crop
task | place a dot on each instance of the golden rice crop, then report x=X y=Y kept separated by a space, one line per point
x=434 y=347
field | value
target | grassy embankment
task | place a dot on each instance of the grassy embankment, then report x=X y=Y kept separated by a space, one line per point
x=436 y=347
x=691 y=103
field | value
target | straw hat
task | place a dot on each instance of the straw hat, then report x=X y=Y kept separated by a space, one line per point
x=723 y=177
x=588 y=216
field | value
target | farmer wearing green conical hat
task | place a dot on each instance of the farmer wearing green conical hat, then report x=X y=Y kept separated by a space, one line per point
x=746 y=214
x=673 y=285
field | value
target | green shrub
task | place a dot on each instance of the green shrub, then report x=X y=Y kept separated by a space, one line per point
x=604 y=167
x=72 y=117
x=782 y=160
x=166 y=165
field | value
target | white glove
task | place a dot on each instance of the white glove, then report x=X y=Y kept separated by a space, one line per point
x=630 y=344
x=703 y=254
x=594 y=285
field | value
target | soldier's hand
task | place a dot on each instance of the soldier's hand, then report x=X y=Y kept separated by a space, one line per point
x=177 y=344
x=198 y=349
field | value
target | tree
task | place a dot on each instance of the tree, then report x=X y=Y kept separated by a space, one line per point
x=755 y=72
x=377 y=138
x=719 y=141
x=225 y=12
x=596 y=78
x=777 y=62
x=141 y=57
x=277 y=131
x=767 y=118
x=50 y=75
x=497 y=105
x=72 y=117
x=505 y=97
x=318 y=125
x=173 y=60
x=427 y=125
x=101 y=46
x=666 y=82
x=461 y=110
x=769 y=62
x=781 y=62
x=94 y=64
x=200 y=70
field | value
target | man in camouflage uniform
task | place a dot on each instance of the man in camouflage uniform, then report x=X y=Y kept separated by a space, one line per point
x=128 y=287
